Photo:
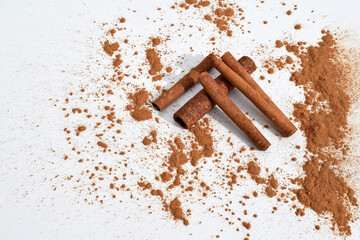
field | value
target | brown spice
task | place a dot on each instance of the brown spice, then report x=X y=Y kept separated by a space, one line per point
x=323 y=76
x=278 y=44
x=253 y=168
x=110 y=48
x=166 y=176
x=202 y=134
x=169 y=69
x=137 y=109
x=246 y=225
x=177 y=212
x=102 y=144
x=289 y=60
x=154 y=60
x=270 y=192
x=155 y=41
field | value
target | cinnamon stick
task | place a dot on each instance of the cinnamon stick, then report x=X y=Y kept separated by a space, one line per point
x=232 y=111
x=184 y=84
x=229 y=59
x=271 y=111
x=201 y=103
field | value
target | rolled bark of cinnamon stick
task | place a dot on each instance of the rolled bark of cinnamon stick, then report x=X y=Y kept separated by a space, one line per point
x=271 y=111
x=232 y=111
x=229 y=59
x=201 y=103
x=184 y=84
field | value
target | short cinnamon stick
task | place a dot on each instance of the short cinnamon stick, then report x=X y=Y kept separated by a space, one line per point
x=184 y=84
x=229 y=59
x=232 y=111
x=271 y=111
x=201 y=103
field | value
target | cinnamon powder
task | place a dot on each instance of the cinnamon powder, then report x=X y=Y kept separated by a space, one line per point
x=323 y=119
x=137 y=109
x=176 y=211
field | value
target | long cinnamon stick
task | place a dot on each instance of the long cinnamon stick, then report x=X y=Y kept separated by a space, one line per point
x=232 y=111
x=270 y=111
x=229 y=59
x=184 y=84
x=201 y=103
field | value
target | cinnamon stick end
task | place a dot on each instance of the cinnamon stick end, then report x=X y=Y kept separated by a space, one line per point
x=156 y=106
x=291 y=132
x=263 y=146
x=179 y=120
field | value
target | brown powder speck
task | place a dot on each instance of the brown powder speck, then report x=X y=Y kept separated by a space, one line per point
x=117 y=61
x=102 y=144
x=80 y=129
x=146 y=141
x=202 y=134
x=177 y=212
x=229 y=12
x=169 y=69
x=154 y=60
x=289 y=60
x=297 y=26
x=155 y=41
x=246 y=225
x=149 y=139
x=166 y=176
x=110 y=48
x=137 y=109
x=279 y=44
x=253 y=168
x=270 y=192
x=191 y=1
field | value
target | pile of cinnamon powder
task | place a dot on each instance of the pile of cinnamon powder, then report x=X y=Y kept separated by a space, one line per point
x=323 y=119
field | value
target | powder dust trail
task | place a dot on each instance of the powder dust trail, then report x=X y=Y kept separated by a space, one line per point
x=323 y=118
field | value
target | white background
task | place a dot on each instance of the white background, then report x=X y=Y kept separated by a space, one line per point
x=45 y=48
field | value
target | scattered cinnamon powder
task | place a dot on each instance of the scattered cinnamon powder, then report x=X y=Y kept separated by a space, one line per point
x=222 y=14
x=270 y=192
x=177 y=212
x=200 y=143
x=323 y=76
x=150 y=139
x=278 y=44
x=117 y=61
x=155 y=41
x=253 y=168
x=154 y=60
x=137 y=109
x=155 y=65
x=246 y=225
x=110 y=48
x=80 y=129
x=202 y=134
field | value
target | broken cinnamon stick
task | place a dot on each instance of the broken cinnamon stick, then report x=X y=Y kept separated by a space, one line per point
x=201 y=103
x=229 y=59
x=184 y=84
x=270 y=111
x=232 y=111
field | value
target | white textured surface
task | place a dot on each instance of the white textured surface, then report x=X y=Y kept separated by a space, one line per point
x=45 y=48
